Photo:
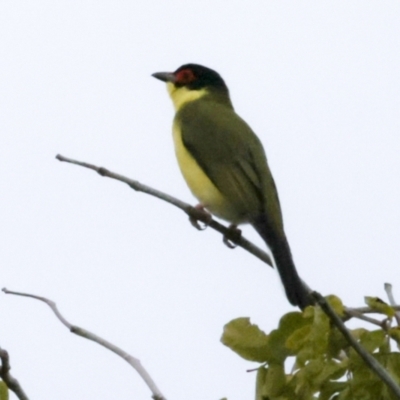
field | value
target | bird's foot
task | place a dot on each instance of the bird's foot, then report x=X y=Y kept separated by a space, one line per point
x=206 y=218
x=232 y=236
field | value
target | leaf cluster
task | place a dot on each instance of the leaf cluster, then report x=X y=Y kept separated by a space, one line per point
x=325 y=367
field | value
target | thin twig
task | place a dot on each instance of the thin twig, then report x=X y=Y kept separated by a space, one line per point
x=8 y=379
x=191 y=211
x=353 y=313
x=134 y=362
x=369 y=360
x=392 y=301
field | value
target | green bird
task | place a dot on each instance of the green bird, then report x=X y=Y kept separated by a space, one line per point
x=225 y=166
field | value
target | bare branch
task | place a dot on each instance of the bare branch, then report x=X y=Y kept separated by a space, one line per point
x=392 y=301
x=369 y=310
x=369 y=360
x=191 y=211
x=134 y=362
x=8 y=379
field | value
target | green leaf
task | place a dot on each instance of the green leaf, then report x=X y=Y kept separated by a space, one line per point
x=278 y=348
x=306 y=377
x=311 y=341
x=246 y=339
x=394 y=333
x=373 y=340
x=298 y=338
x=252 y=344
x=365 y=384
x=379 y=305
x=3 y=391
x=330 y=370
x=261 y=382
x=320 y=331
x=276 y=381
x=358 y=332
x=330 y=388
x=392 y=364
x=272 y=384
x=316 y=375
x=336 y=304
x=336 y=343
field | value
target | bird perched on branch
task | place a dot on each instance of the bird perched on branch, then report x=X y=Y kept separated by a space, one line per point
x=224 y=164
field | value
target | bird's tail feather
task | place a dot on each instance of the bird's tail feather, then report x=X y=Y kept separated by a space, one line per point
x=296 y=291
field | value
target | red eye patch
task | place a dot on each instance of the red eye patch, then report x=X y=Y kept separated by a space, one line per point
x=184 y=77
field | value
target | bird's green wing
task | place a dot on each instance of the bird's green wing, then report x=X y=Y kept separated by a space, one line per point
x=231 y=155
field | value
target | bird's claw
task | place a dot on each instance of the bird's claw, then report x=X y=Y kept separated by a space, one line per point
x=196 y=224
x=207 y=218
x=233 y=235
x=228 y=243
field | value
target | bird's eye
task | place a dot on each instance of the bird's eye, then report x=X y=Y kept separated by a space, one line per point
x=185 y=77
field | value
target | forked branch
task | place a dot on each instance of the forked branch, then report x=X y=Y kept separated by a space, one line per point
x=132 y=361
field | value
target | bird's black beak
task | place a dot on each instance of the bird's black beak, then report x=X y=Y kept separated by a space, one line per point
x=164 y=76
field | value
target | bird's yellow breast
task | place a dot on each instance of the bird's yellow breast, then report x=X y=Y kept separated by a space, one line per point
x=200 y=185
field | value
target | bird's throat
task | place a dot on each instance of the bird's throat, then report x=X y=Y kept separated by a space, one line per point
x=182 y=95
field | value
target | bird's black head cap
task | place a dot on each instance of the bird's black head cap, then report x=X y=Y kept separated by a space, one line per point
x=195 y=77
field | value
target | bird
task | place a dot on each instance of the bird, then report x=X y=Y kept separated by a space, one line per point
x=225 y=166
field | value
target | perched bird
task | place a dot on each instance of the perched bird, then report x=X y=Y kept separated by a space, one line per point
x=224 y=164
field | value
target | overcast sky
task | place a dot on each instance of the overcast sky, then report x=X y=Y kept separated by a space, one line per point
x=319 y=82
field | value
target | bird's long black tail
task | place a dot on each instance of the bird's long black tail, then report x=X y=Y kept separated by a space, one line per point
x=296 y=292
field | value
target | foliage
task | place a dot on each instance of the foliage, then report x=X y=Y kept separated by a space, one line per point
x=325 y=367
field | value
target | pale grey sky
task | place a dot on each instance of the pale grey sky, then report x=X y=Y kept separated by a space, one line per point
x=319 y=82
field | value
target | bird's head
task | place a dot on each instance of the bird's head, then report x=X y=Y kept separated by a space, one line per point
x=192 y=81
